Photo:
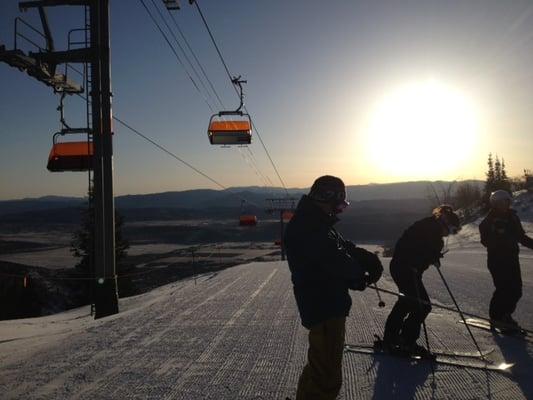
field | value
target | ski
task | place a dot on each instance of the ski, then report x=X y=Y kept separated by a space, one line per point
x=485 y=325
x=444 y=353
x=439 y=359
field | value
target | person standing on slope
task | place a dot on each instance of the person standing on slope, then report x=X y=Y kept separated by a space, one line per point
x=419 y=247
x=323 y=267
x=501 y=231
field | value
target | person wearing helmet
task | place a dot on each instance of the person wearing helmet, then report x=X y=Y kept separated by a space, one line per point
x=323 y=267
x=419 y=247
x=500 y=232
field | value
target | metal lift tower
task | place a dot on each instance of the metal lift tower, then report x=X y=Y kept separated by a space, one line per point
x=281 y=205
x=42 y=65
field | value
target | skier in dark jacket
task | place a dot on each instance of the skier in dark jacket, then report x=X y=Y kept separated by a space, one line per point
x=501 y=231
x=323 y=267
x=419 y=247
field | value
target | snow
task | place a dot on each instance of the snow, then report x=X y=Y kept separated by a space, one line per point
x=236 y=335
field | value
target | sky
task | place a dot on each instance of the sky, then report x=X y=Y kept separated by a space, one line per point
x=371 y=91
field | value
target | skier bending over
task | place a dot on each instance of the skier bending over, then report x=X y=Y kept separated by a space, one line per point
x=323 y=267
x=418 y=247
x=501 y=231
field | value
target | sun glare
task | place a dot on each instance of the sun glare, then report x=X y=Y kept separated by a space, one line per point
x=422 y=130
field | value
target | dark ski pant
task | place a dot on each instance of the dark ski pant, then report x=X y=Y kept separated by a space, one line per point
x=321 y=378
x=505 y=271
x=408 y=314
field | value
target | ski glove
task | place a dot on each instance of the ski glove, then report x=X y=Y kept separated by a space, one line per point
x=369 y=261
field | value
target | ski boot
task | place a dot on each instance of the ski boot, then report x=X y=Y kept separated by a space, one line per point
x=416 y=350
x=501 y=325
x=513 y=326
x=387 y=346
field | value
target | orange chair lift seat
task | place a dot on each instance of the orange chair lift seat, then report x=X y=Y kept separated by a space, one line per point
x=70 y=156
x=248 y=220
x=230 y=132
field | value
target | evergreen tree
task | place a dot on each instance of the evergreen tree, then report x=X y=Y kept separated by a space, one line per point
x=504 y=172
x=83 y=242
x=497 y=170
x=497 y=178
x=505 y=182
x=489 y=183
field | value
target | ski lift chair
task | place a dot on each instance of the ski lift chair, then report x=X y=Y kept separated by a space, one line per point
x=287 y=216
x=247 y=220
x=70 y=156
x=231 y=127
x=235 y=131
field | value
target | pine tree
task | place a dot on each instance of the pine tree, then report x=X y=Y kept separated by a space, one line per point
x=489 y=183
x=497 y=170
x=490 y=172
x=497 y=178
x=504 y=173
x=82 y=245
x=505 y=183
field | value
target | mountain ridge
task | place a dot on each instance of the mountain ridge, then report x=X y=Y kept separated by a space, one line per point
x=230 y=198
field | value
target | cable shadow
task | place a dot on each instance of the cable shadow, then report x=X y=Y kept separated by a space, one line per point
x=518 y=351
x=399 y=379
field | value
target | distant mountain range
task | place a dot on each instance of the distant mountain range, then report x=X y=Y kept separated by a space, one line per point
x=207 y=199
x=378 y=213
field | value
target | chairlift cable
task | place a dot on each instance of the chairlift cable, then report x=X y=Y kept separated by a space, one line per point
x=181 y=160
x=197 y=60
x=253 y=167
x=195 y=57
x=195 y=71
x=236 y=90
x=214 y=43
x=169 y=152
x=177 y=56
x=267 y=178
x=175 y=53
x=252 y=160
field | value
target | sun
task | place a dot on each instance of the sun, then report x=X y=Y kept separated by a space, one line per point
x=421 y=130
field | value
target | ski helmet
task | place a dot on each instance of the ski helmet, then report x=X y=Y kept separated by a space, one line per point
x=500 y=198
x=331 y=190
x=445 y=214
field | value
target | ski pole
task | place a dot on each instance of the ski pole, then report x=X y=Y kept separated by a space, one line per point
x=438 y=305
x=461 y=314
x=381 y=303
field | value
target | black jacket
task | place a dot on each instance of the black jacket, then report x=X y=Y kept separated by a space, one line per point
x=321 y=267
x=502 y=231
x=419 y=246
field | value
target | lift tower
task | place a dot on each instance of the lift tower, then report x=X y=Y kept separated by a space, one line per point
x=42 y=65
x=281 y=205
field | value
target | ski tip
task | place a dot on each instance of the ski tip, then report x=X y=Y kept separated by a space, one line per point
x=504 y=366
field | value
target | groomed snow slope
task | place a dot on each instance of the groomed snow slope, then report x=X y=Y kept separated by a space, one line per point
x=237 y=335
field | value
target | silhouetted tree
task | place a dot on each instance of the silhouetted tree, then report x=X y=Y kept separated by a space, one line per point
x=497 y=170
x=83 y=244
x=504 y=172
x=497 y=178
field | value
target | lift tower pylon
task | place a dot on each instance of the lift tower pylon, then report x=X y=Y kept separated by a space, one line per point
x=41 y=65
x=281 y=205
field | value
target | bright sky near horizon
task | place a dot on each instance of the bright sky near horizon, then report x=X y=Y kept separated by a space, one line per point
x=369 y=91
